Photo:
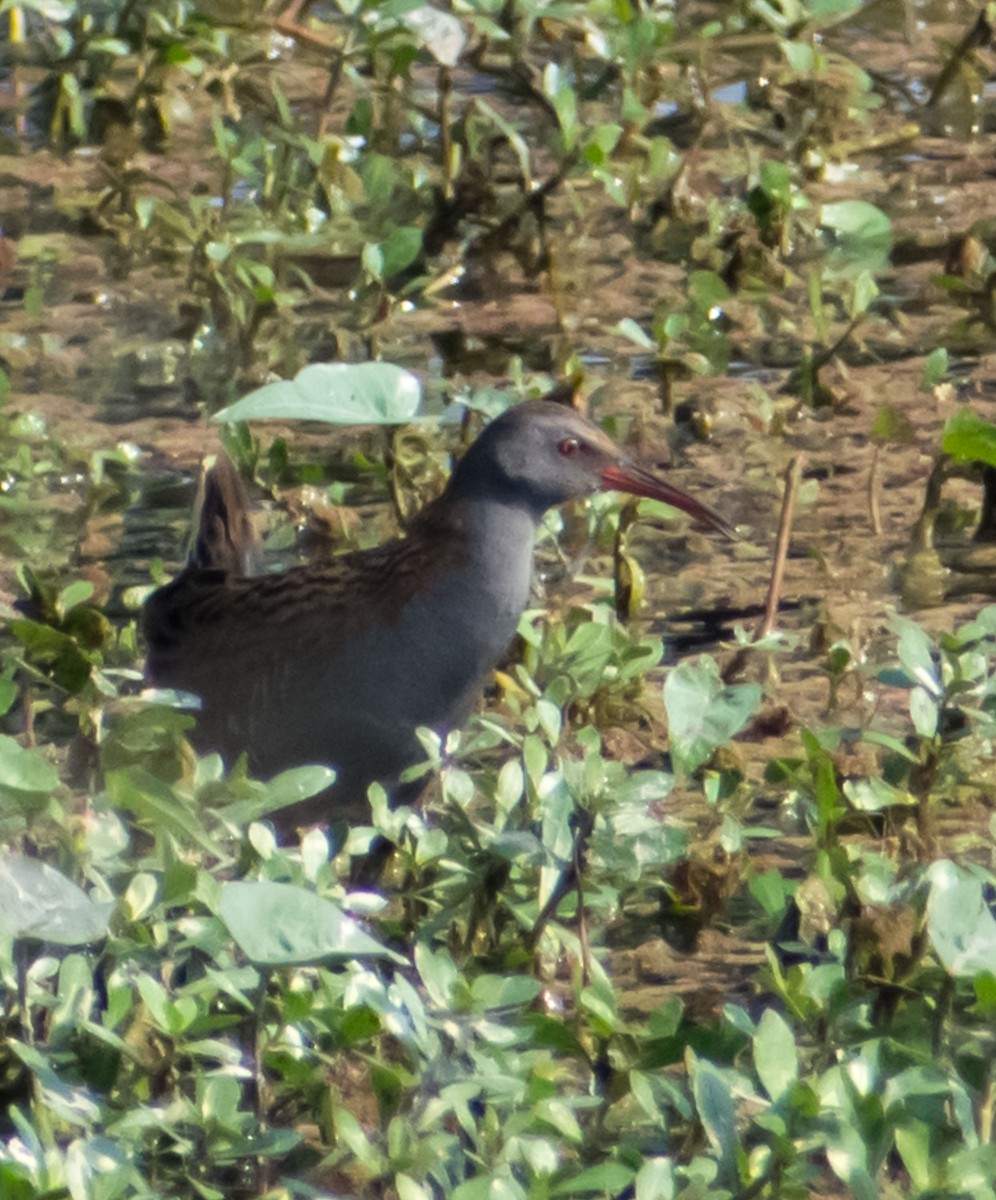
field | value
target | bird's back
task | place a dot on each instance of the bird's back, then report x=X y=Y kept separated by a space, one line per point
x=338 y=662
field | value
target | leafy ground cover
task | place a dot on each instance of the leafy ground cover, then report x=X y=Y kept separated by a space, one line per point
x=712 y=216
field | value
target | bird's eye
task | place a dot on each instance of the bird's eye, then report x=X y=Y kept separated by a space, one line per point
x=569 y=447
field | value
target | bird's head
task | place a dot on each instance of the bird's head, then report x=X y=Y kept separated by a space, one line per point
x=540 y=454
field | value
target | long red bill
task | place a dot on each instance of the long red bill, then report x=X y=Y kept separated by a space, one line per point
x=626 y=477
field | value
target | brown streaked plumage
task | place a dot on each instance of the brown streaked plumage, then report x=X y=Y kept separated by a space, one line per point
x=340 y=662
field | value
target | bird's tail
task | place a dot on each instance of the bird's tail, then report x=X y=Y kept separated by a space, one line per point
x=224 y=536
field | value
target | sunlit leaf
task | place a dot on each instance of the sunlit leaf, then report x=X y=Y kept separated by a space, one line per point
x=916 y=654
x=441 y=33
x=281 y=923
x=151 y=799
x=655 y=1180
x=628 y=328
x=372 y=393
x=862 y=236
x=38 y=901
x=608 y=1179
x=775 y=1055
x=703 y=713
x=50 y=10
x=959 y=920
x=968 y=438
x=924 y=712
x=25 y=768
x=715 y=1105
x=935 y=369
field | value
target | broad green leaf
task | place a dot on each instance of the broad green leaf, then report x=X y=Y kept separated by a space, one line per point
x=49 y=10
x=559 y=1114
x=372 y=393
x=153 y=800
x=504 y=991
x=703 y=713
x=37 y=901
x=439 y=32
x=439 y=974
x=398 y=250
x=916 y=654
x=634 y=332
x=862 y=236
x=608 y=1179
x=281 y=923
x=865 y=291
x=707 y=290
x=487 y=1186
x=847 y=1153
x=876 y=794
x=968 y=438
x=77 y=592
x=410 y=1189
x=24 y=768
x=776 y=181
x=283 y=790
x=716 y=1109
x=775 y=1055
x=959 y=921
x=655 y=1180
x=935 y=369
x=913 y=1145
x=67 y=1102
x=924 y=712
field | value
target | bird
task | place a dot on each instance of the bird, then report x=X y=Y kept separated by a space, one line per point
x=339 y=662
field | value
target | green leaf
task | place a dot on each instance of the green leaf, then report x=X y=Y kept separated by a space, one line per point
x=775 y=1055
x=776 y=181
x=440 y=33
x=916 y=654
x=935 y=368
x=37 y=901
x=609 y=1179
x=967 y=438
x=25 y=769
x=149 y=798
x=628 y=328
x=959 y=921
x=876 y=795
x=398 y=250
x=716 y=1109
x=77 y=592
x=439 y=974
x=913 y=1145
x=655 y=1180
x=865 y=291
x=924 y=712
x=370 y=393
x=49 y=10
x=410 y=1189
x=862 y=236
x=282 y=791
x=707 y=291
x=703 y=713
x=488 y=1186
x=559 y=1114
x=281 y=923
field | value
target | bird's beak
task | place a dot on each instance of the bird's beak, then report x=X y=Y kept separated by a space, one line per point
x=626 y=477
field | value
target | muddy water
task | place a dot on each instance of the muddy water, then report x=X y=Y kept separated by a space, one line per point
x=103 y=344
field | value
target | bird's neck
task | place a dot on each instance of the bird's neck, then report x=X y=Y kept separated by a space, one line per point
x=495 y=537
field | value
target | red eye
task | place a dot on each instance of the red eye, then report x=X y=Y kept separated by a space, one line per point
x=569 y=447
